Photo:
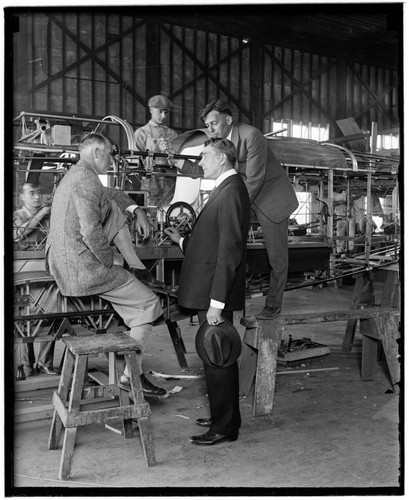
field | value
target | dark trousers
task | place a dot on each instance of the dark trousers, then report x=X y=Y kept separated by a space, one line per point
x=45 y=354
x=223 y=392
x=276 y=241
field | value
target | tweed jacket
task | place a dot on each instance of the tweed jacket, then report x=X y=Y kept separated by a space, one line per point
x=78 y=254
x=268 y=185
x=214 y=266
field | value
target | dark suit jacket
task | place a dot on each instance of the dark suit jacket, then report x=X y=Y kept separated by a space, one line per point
x=78 y=254
x=267 y=183
x=214 y=266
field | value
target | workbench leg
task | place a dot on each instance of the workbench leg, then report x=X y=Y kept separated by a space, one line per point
x=370 y=346
x=70 y=435
x=133 y=362
x=389 y=334
x=363 y=294
x=268 y=342
x=177 y=343
x=247 y=369
x=63 y=388
x=248 y=360
x=119 y=365
x=349 y=335
x=391 y=291
x=147 y=442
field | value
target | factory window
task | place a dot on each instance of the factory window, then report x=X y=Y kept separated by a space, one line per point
x=299 y=130
x=387 y=141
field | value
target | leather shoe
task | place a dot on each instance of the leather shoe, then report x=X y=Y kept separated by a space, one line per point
x=269 y=312
x=29 y=370
x=148 y=388
x=147 y=278
x=46 y=370
x=209 y=438
x=204 y=422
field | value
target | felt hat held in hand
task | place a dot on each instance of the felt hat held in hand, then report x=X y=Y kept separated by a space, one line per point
x=218 y=345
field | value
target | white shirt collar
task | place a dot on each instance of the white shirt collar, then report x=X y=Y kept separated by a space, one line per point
x=224 y=176
x=230 y=134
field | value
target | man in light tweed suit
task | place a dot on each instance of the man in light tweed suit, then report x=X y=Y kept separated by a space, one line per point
x=79 y=255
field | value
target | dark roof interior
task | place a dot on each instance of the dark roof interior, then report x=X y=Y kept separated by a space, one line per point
x=366 y=33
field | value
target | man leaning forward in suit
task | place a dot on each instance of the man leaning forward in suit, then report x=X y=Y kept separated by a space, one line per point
x=85 y=220
x=212 y=279
x=272 y=196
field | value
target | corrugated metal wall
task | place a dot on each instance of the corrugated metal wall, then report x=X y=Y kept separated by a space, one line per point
x=95 y=65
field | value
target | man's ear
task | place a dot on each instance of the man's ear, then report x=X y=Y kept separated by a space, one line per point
x=97 y=152
x=229 y=119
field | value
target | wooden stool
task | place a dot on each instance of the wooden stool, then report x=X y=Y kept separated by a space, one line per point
x=69 y=411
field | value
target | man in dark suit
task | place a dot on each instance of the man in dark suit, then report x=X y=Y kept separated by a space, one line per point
x=271 y=194
x=212 y=280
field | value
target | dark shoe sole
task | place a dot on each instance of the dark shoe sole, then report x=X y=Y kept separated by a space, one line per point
x=268 y=316
x=212 y=443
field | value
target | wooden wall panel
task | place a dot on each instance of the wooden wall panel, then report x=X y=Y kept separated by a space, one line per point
x=93 y=64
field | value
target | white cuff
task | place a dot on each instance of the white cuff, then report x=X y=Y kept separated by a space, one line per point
x=181 y=243
x=217 y=304
x=131 y=209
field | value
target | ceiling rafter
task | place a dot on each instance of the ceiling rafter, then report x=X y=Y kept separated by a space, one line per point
x=297 y=84
x=224 y=60
x=90 y=54
x=304 y=84
x=205 y=70
x=377 y=99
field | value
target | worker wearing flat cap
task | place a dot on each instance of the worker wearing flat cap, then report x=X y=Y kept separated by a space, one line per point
x=212 y=282
x=155 y=136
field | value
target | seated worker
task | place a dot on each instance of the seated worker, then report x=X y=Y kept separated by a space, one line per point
x=84 y=221
x=30 y=221
x=30 y=226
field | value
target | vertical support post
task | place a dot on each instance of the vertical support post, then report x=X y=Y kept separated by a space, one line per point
x=256 y=89
x=321 y=195
x=389 y=334
x=369 y=364
x=330 y=229
x=341 y=101
x=368 y=234
x=153 y=84
x=268 y=342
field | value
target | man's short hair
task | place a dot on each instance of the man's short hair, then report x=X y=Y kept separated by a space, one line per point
x=223 y=146
x=220 y=105
x=20 y=188
x=91 y=139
